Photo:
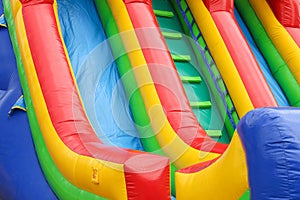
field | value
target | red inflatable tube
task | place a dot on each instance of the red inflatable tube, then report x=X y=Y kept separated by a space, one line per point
x=166 y=79
x=288 y=14
x=243 y=58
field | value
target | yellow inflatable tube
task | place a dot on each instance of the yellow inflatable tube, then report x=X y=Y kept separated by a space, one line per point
x=226 y=178
x=284 y=43
x=223 y=60
x=181 y=154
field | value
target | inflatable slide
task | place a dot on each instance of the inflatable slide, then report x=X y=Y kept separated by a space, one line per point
x=142 y=99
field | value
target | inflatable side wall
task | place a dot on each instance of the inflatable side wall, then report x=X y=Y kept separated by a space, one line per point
x=271 y=140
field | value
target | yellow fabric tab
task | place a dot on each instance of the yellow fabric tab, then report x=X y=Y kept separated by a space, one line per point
x=2 y=21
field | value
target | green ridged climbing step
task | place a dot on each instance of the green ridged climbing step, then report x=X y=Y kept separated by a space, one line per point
x=172 y=35
x=214 y=133
x=163 y=13
x=200 y=104
x=191 y=79
x=181 y=58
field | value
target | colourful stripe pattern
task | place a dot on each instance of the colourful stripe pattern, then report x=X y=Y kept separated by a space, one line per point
x=277 y=64
x=180 y=153
x=169 y=88
x=187 y=185
x=283 y=42
x=62 y=187
x=216 y=84
x=229 y=73
x=62 y=119
x=248 y=69
x=212 y=182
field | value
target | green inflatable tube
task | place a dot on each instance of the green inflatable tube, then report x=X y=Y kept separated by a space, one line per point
x=136 y=103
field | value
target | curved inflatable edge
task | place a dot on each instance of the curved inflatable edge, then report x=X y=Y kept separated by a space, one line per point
x=183 y=120
x=137 y=105
x=270 y=137
x=228 y=171
x=180 y=153
x=287 y=13
x=91 y=174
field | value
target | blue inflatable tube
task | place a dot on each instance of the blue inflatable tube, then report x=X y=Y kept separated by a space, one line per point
x=272 y=144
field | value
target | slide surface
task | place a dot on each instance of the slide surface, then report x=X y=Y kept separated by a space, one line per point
x=97 y=75
x=275 y=88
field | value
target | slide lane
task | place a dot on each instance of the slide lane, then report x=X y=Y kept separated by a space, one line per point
x=222 y=14
x=164 y=141
x=258 y=90
x=170 y=142
x=60 y=186
x=188 y=181
x=52 y=92
x=214 y=7
x=278 y=66
x=280 y=37
x=20 y=172
x=97 y=75
x=274 y=86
